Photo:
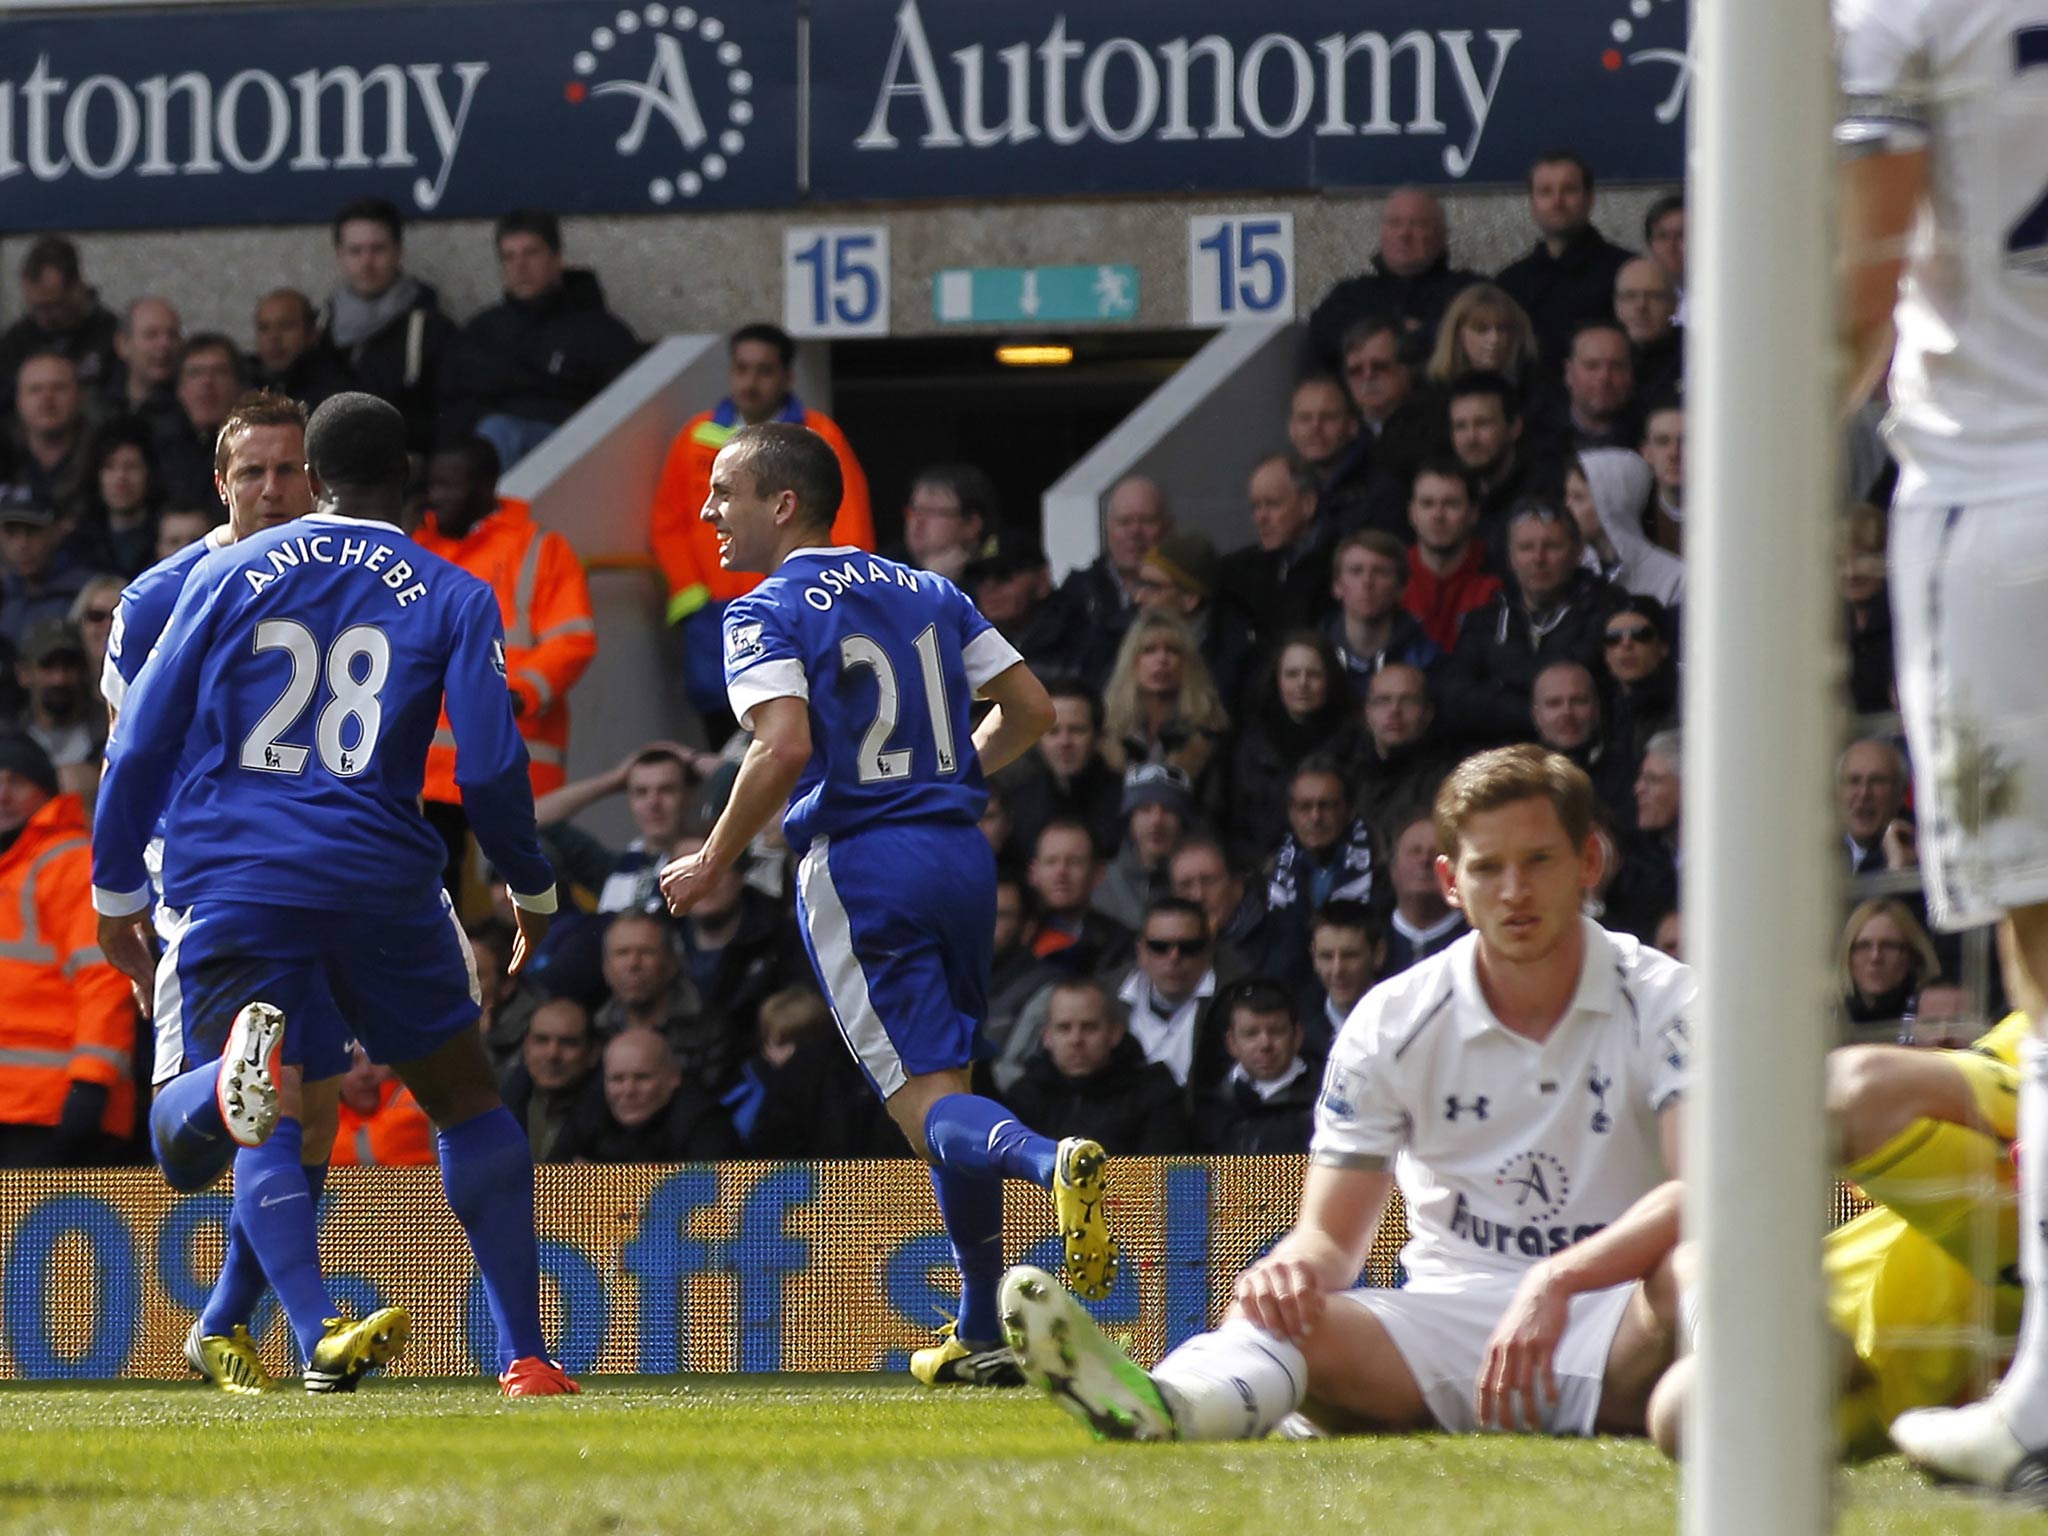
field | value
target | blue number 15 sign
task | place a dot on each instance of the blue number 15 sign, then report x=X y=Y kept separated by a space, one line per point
x=1240 y=267
x=835 y=280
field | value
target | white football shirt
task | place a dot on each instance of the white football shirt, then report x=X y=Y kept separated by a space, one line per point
x=1505 y=1150
x=1968 y=81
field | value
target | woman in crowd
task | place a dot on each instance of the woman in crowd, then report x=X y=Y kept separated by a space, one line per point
x=1302 y=707
x=118 y=530
x=1886 y=958
x=1161 y=706
x=1642 y=674
x=1484 y=331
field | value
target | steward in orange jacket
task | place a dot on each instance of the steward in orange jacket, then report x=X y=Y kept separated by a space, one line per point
x=699 y=588
x=67 y=1017
x=542 y=598
x=381 y=1123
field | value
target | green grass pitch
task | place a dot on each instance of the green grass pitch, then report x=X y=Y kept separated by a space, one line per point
x=796 y=1455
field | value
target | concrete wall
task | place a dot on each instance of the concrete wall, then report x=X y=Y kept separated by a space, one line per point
x=671 y=273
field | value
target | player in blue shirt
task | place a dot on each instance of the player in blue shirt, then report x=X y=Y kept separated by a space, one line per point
x=857 y=677
x=260 y=472
x=307 y=665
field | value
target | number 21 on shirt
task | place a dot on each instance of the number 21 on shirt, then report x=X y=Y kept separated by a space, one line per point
x=877 y=761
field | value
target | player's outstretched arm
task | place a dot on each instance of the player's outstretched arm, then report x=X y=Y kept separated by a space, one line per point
x=1286 y=1291
x=1023 y=713
x=1880 y=197
x=1521 y=1355
x=774 y=762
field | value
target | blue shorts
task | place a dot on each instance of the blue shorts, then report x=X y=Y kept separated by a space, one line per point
x=900 y=923
x=402 y=986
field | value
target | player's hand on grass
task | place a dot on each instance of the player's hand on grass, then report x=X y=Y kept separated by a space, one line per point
x=684 y=882
x=1283 y=1295
x=1518 y=1377
x=531 y=927
x=125 y=943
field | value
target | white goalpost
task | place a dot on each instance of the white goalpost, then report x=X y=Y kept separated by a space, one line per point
x=1761 y=725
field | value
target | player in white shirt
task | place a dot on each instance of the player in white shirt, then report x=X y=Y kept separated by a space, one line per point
x=1945 y=235
x=1522 y=1088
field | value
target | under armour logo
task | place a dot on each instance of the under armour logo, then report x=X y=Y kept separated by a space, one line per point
x=1597 y=1085
x=1476 y=1108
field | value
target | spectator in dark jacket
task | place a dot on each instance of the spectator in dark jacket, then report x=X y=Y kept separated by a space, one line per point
x=60 y=314
x=1345 y=948
x=1266 y=1104
x=1371 y=628
x=1411 y=281
x=738 y=943
x=1250 y=941
x=1282 y=578
x=383 y=325
x=1553 y=612
x=1158 y=807
x=1103 y=595
x=1422 y=922
x=1641 y=667
x=1402 y=758
x=1329 y=854
x=1568 y=276
x=1646 y=886
x=288 y=357
x=1303 y=707
x=1065 y=775
x=1564 y=703
x=554 y=1081
x=1091 y=1079
x=1062 y=873
x=118 y=531
x=526 y=365
x=649 y=1113
x=209 y=380
x=800 y=1093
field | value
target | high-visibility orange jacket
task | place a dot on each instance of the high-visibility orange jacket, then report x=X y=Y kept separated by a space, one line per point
x=688 y=550
x=549 y=635
x=66 y=1015
x=398 y=1135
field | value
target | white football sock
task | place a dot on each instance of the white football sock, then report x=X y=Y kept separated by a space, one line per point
x=2023 y=1396
x=1233 y=1384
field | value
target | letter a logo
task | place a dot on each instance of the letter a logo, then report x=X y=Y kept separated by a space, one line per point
x=666 y=91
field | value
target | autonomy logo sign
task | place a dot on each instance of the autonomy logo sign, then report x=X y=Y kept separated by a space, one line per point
x=662 y=45
x=1659 y=23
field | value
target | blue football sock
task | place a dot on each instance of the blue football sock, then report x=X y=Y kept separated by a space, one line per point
x=977 y=1135
x=487 y=1169
x=274 y=1209
x=240 y=1286
x=191 y=1142
x=971 y=1205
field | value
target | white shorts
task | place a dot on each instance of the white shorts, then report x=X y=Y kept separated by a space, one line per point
x=1442 y=1327
x=168 y=1009
x=1969 y=589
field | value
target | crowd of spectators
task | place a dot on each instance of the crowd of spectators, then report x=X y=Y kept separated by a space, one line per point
x=1468 y=530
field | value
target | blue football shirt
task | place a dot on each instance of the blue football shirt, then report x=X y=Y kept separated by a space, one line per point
x=142 y=612
x=889 y=658
x=299 y=682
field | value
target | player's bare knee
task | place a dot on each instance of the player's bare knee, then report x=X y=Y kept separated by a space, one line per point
x=1669 y=1403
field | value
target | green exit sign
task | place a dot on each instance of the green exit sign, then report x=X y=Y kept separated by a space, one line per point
x=1035 y=295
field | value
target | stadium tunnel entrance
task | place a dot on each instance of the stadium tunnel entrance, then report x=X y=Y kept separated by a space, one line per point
x=911 y=402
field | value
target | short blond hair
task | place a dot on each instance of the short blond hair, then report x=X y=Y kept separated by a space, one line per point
x=1487 y=781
